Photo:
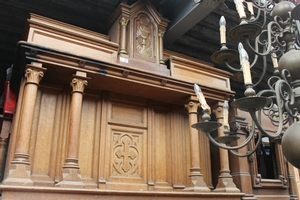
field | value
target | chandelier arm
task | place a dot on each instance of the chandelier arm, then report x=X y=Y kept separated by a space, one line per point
x=254 y=60
x=263 y=71
x=256 y=17
x=260 y=128
x=288 y=100
x=268 y=43
x=248 y=152
x=232 y=68
x=254 y=49
x=245 y=142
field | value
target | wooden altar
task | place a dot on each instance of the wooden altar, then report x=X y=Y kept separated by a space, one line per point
x=103 y=117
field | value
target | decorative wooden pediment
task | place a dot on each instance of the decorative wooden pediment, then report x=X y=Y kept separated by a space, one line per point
x=139 y=30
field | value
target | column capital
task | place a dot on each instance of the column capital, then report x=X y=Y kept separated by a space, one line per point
x=124 y=21
x=192 y=106
x=218 y=110
x=161 y=33
x=79 y=81
x=34 y=73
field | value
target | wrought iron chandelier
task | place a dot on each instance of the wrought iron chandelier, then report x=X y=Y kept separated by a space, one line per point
x=278 y=38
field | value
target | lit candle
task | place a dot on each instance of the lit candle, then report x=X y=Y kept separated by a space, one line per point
x=222 y=30
x=225 y=115
x=240 y=8
x=245 y=64
x=201 y=98
x=250 y=8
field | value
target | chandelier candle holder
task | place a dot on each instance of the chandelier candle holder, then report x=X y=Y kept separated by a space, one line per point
x=206 y=125
x=278 y=39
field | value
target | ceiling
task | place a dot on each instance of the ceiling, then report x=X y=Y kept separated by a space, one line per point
x=199 y=40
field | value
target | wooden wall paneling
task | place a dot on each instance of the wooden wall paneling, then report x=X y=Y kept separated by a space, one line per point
x=161 y=147
x=44 y=137
x=63 y=134
x=180 y=148
x=89 y=141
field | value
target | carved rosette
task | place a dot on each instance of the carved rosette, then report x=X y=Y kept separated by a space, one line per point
x=78 y=85
x=125 y=155
x=34 y=76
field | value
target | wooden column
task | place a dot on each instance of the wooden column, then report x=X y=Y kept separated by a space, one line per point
x=19 y=172
x=71 y=176
x=161 y=46
x=225 y=181
x=195 y=176
x=123 y=23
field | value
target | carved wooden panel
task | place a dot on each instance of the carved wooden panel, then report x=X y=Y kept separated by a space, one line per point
x=144 y=34
x=126 y=159
x=126 y=144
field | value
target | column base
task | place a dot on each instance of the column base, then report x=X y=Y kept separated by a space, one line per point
x=198 y=185
x=71 y=178
x=19 y=174
x=226 y=184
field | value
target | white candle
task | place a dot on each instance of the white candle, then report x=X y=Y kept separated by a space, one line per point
x=225 y=115
x=245 y=64
x=201 y=98
x=250 y=8
x=222 y=30
x=240 y=8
